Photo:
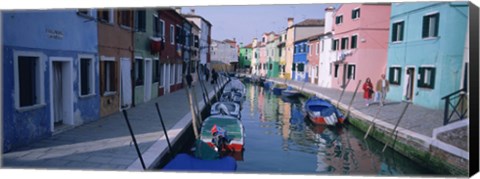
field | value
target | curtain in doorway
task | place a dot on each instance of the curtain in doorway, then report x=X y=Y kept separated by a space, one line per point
x=57 y=93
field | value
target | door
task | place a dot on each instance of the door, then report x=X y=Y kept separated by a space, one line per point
x=61 y=93
x=148 y=80
x=410 y=77
x=58 y=91
x=167 y=79
x=126 y=83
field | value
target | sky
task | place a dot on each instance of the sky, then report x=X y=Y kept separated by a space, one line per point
x=249 y=21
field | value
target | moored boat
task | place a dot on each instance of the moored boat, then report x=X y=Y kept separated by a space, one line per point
x=320 y=111
x=278 y=88
x=226 y=108
x=290 y=92
x=223 y=133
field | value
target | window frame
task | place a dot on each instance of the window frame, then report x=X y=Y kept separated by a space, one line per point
x=172 y=34
x=391 y=75
x=436 y=29
x=422 y=74
x=339 y=19
x=111 y=16
x=352 y=41
x=139 y=75
x=356 y=11
x=40 y=78
x=137 y=21
x=349 y=72
x=344 y=46
x=396 y=39
x=91 y=81
x=106 y=60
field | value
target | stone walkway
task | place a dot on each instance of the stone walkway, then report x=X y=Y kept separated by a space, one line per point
x=105 y=144
x=417 y=118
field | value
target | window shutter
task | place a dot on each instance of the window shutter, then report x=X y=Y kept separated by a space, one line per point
x=401 y=31
x=432 y=78
x=399 y=75
x=353 y=14
x=425 y=27
x=421 y=72
x=437 y=25
x=391 y=75
x=358 y=15
x=394 y=32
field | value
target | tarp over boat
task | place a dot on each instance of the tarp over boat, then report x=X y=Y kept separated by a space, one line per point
x=185 y=162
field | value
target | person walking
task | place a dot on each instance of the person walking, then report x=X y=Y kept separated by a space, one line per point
x=382 y=87
x=367 y=91
x=214 y=76
x=207 y=74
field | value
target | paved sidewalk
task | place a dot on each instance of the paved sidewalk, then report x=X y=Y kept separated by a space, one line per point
x=105 y=144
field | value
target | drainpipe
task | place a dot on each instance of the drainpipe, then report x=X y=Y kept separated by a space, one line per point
x=133 y=57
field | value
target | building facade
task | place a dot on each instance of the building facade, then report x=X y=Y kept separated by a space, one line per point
x=245 y=56
x=360 y=41
x=300 y=63
x=426 y=51
x=313 y=58
x=50 y=73
x=204 y=39
x=327 y=55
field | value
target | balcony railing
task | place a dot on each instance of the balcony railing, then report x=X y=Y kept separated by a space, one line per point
x=456 y=106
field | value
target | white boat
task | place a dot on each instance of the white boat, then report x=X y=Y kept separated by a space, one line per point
x=226 y=108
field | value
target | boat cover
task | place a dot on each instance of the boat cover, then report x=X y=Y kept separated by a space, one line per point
x=185 y=162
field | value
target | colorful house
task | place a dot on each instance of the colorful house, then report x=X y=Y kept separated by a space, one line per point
x=115 y=41
x=313 y=58
x=426 y=51
x=272 y=55
x=295 y=32
x=262 y=60
x=282 y=53
x=50 y=73
x=255 y=65
x=245 y=56
x=327 y=55
x=171 y=58
x=299 y=73
x=148 y=41
x=195 y=51
x=204 y=38
x=360 y=41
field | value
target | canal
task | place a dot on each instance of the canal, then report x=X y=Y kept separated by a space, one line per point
x=280 y=141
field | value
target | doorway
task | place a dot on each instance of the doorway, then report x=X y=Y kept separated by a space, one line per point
x=61 y=93
x=410 y=77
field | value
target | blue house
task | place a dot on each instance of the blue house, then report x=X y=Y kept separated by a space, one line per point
x=299 y=73
x=50 y=73
x=426 y=50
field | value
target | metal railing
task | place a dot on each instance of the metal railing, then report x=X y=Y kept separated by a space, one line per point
x=455 y=101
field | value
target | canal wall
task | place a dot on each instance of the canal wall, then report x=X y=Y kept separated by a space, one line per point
x=158 y=153
x=426 y=151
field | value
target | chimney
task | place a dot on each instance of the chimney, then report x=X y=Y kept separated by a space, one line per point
x=329 y=19
x=179 y=10
x=192 y=11
x=254 y=42
x=290 y=22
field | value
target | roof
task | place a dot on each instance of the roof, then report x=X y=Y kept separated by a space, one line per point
x=248 y=46
x=229 y=41
x=196 y=16
x=310 y=22
x=315 y=37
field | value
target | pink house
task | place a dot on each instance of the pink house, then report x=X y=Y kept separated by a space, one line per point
x=360 y=42
x=313 y=57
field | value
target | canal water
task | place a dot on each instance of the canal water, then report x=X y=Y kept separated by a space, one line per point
x=280 y=141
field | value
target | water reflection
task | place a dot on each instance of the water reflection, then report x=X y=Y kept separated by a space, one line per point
x=280 y=140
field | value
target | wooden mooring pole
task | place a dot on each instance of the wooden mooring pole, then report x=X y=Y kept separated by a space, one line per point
x=163 y=127
x=353 y=98
x=373 y=122
x=133 y=138
x=192 y=110
x=396 y=125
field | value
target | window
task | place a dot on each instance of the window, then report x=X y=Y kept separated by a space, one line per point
x=336 y=71
x=172 y=34
x=323 y=44
x=310 y=47
x=29 y=79
x=318 y=48
x=138 y=71
x=351 y=72
x=316 y=71
x=270 y=66
x=430 y=25
x=87 y=81
x=156 y=71
x=344 y=43
x=354 y=42
x=172 y=74
x=339 y=19
x=125 y=18
x=161 y=75
x=179 y=73
x=140 y=20
x=395 y=75
x=427 y=77
x=109 y=76
x=356 y=13
x=335 y=44
x=294 y=65
x=106 y=16
x=301 y=67
x=397 y=31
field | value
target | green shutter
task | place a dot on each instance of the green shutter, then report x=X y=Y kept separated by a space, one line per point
x=425 y=26
x=432 y=78
x=394 y=32
x=421 y=72
x=391 y=75
x=399 y=75
x=401 y=31
x=437 y=25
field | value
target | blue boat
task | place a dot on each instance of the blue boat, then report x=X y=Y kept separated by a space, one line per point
x=278 y=88
x=290 y=92
x=322 y=112
x=267 y=85
x=205 y=159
